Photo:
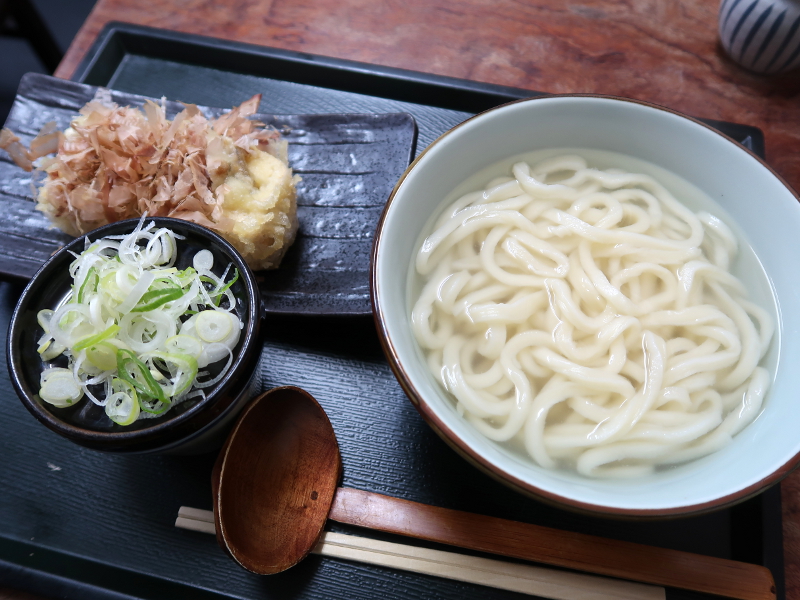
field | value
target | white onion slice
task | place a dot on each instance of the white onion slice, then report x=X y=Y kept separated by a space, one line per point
x=122 y=408
x=139 y=290
x=59 y=388
x=203 y=261
x=135 y=327
x=213 y=325
x=215 y=350
x=65 y=334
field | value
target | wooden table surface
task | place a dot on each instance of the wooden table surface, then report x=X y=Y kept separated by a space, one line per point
x=662 y=51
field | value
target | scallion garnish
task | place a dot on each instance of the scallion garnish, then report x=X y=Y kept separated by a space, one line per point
x=136 y=330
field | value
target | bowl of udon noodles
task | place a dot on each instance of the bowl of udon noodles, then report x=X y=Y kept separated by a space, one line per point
x=586 y=297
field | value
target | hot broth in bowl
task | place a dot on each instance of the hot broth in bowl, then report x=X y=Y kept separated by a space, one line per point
x=579 y=311
x=585 y=297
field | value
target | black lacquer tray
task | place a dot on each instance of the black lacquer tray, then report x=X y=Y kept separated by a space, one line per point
x=79 y=524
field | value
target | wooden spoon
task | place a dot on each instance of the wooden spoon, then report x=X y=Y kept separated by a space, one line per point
x=276 y=485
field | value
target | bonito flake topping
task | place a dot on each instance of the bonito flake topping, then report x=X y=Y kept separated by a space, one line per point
x=230 y=174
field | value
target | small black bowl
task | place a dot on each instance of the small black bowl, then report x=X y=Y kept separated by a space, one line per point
x=192 y=426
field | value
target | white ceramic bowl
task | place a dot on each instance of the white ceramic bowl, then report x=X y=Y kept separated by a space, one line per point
x=755 y=198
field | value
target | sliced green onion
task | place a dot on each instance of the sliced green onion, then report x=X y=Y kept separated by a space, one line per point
x=135 y=372
x=94 y=339
x=186 y=277
x=58 y=387
x=182 y=369
x=122 y=406
x=184 y=344
x=43 y=318
x=213 y=326
x=155 y=298
x=154 y=406
x=137 y=291
x=203 y=260
x=136 y=329
x=108 y=286
x=103 y=355
x=89 y=284
x=217 y=295
x=49 y=349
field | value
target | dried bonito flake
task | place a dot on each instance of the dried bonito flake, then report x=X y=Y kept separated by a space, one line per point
x=229 y=174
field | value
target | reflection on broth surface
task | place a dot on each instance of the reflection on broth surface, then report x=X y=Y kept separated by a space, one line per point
x=588 y=308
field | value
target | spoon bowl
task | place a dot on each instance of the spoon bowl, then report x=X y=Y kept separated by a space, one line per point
x=279 y=471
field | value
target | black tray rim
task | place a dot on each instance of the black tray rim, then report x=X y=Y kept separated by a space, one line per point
x=118 y=38
x=112 y=39
x=115 y=34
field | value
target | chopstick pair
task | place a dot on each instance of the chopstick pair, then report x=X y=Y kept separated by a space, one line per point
x=527 y=579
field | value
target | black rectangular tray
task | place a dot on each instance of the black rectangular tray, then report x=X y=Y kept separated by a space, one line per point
x=79 y=524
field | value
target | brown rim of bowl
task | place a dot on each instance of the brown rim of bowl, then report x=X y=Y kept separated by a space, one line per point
x=482 y=463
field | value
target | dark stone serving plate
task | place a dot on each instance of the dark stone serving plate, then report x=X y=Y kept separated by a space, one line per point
x=348 y=163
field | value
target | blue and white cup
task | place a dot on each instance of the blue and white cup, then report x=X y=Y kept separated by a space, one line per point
x=761 y=35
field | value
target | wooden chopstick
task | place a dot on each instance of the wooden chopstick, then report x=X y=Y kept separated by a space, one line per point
x=545 y=545
x=527 y=579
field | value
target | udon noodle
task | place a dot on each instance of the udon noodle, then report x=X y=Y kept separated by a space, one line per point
x=591 y=316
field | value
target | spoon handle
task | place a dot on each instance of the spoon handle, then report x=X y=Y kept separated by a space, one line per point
x=578 y=551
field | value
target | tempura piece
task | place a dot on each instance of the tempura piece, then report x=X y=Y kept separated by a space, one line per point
x=229 y=174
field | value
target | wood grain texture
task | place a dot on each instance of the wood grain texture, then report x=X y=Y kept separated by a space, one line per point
x=662 y=51
x=591 y=554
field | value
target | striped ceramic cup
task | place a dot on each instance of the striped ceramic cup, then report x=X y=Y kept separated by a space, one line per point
x=761 y=35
